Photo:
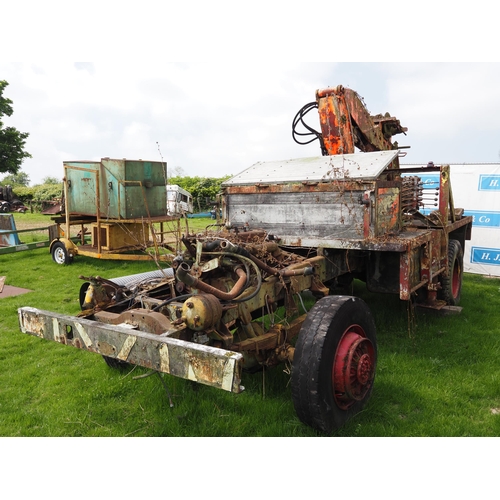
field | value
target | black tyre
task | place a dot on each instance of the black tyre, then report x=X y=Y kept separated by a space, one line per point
x=334 y=363
x=451 y=285
x=60 y=254
x=115 y=363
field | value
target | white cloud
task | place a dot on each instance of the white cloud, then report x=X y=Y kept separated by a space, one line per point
x=212 y=119
x=445 y=98
x=134 y=134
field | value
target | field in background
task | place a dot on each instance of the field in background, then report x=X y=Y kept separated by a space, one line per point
x=436 y=376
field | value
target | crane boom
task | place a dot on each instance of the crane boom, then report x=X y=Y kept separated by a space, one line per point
x=346 y=124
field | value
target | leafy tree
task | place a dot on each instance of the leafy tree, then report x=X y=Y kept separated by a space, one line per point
x=35 y=196
x=203 y=189
x=12 y=141
x=51 y=180
x=19 y=179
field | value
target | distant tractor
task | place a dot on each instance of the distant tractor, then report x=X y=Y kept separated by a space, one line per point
x=9 y=202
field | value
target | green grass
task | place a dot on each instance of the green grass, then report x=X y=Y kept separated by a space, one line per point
x=436 y=376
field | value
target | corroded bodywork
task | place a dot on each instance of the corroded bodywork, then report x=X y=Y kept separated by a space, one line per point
x=342 y=112
x=316 y=199
x=116 y=188
x=347 y=205
x=203 y=364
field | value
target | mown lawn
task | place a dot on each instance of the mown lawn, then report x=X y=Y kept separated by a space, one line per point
x=437 y=375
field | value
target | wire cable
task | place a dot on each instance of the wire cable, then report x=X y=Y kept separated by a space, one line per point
x=299 y=119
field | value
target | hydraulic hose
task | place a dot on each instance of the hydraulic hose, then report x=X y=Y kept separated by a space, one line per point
x=246 y=261
x=184 y=276
x=301 y=271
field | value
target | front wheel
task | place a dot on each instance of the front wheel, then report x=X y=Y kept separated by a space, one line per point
x=334 y=363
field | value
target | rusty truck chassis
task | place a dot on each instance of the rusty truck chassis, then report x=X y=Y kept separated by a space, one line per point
x=234 y=275
x=234 y=298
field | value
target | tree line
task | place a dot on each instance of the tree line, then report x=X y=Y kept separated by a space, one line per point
x=204 y=190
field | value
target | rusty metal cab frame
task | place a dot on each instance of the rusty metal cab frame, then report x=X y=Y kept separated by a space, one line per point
x=351 y=210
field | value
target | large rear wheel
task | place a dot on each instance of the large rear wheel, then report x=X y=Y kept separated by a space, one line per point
x=334 y=362
x=451 y=285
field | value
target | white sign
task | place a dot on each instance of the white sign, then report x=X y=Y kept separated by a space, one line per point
x=476 y=189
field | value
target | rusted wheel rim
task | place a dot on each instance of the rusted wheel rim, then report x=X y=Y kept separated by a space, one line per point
x=353 y=367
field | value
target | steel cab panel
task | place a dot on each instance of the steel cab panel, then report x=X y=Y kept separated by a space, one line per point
x=321 y=201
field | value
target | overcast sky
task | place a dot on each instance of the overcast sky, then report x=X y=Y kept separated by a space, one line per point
x=212 y=119
x=217 y=118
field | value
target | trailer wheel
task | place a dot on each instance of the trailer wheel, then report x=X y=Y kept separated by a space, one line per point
x=334 y=362
x=451 y=285
x=60 y=254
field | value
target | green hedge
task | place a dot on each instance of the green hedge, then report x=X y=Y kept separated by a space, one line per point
x=41 y=192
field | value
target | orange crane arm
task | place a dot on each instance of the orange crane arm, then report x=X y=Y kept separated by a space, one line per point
x=346 y=123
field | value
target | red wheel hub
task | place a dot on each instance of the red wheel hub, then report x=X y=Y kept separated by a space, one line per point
x=353 y=367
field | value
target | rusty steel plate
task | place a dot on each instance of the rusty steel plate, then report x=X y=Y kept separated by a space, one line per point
x=367 y=166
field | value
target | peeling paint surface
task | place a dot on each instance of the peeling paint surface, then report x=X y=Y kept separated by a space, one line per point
x=203 y=364
x=322 y=168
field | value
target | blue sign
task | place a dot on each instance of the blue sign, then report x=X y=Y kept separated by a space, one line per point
x=484 y=219
x=489 y=256
x=489 y=183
